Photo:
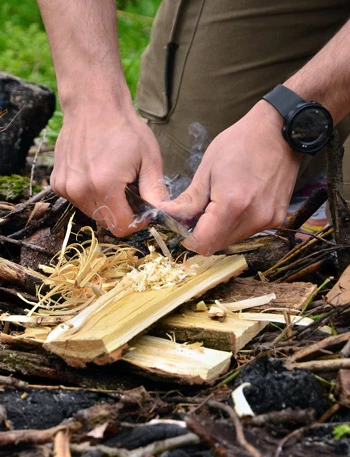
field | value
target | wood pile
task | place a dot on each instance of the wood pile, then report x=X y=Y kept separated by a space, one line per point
x=90 y=310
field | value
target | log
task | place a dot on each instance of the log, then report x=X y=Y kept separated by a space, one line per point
x=19 y=276
x=101 y=332
x=188 y=364
x=230 y=335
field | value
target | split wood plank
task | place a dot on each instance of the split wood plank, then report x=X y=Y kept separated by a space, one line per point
x=339 y=295
x=288 y=295
x=232 y=334
x=189 y=364
x=101 y=332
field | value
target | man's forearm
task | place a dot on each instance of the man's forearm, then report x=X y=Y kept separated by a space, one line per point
x=326 y=77
x=84 y=46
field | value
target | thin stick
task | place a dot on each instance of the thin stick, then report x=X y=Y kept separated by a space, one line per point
x=33 y=247
x=238 y=426
x=299 y=432
x=34 y=436
x=158 y=447
x=34 y=163
x=326 y=342
x=321 y=365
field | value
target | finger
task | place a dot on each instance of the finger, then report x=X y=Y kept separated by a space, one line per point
x=213 y=231
x=151 y=182
x=191 y=203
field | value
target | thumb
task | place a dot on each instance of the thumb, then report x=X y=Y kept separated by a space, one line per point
x=190 y=204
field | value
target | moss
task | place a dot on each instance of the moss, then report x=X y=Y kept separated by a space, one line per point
x=16 y=187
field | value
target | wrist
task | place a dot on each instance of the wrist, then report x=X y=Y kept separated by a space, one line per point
x=94 y=94
x=307 y=125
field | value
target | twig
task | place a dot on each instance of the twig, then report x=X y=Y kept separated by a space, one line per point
x=57 y=208
x=299 y=432
x=9 y=381
x=33 y=247
x=322 y=320
x=35 y=436
x=238 y=426
x=23 y=206
x=2 y=129
x=38 y=149
x=158 y=447
x=321 y=365
x=307 y=209
x=319 y=346
x=288 y=415
x=275 y=269
x=19 y=276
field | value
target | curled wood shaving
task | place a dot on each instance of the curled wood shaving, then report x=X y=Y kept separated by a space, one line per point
x=82 y=272
x=158 y=272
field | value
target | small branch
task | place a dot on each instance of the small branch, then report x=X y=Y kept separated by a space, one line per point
x=19 y=276
x=298 y=433
x=238 y=426
x=319 y=346
x=307 y=209
x=33 y=247
x=158 y=447
x=38 y=149
x=9 y=381
x=288 y=415
x=23 y=206
x=321 y=365
x=30 y=436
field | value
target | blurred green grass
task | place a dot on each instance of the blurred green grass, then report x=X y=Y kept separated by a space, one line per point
x=24 y=49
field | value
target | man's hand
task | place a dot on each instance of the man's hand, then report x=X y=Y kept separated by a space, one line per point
x=97 y=153
x=103 y=144
x=243 y=184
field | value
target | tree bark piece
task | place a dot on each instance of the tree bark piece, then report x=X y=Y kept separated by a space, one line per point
x=292 y=296
x=339 y=295
x=230 y=335
x=101 y=332
x=189 y=364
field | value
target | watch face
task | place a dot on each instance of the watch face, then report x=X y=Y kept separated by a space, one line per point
x=309 y=128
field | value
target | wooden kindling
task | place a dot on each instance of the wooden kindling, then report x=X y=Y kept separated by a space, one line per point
x=101 y=332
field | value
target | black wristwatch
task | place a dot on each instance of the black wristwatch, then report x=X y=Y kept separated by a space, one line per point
x=308 y=126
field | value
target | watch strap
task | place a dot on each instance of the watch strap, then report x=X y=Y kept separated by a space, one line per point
x=283 y=99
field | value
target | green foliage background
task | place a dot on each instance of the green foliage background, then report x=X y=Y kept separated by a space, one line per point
x=24 y=49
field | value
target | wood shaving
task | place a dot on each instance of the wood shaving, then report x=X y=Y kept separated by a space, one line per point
x=82 y=272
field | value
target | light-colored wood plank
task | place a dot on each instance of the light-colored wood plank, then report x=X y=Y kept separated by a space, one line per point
x=101 y=332
x=232 y=334
x=185 y=363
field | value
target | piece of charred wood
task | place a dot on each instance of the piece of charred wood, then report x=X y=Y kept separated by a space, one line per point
x=261 y=252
